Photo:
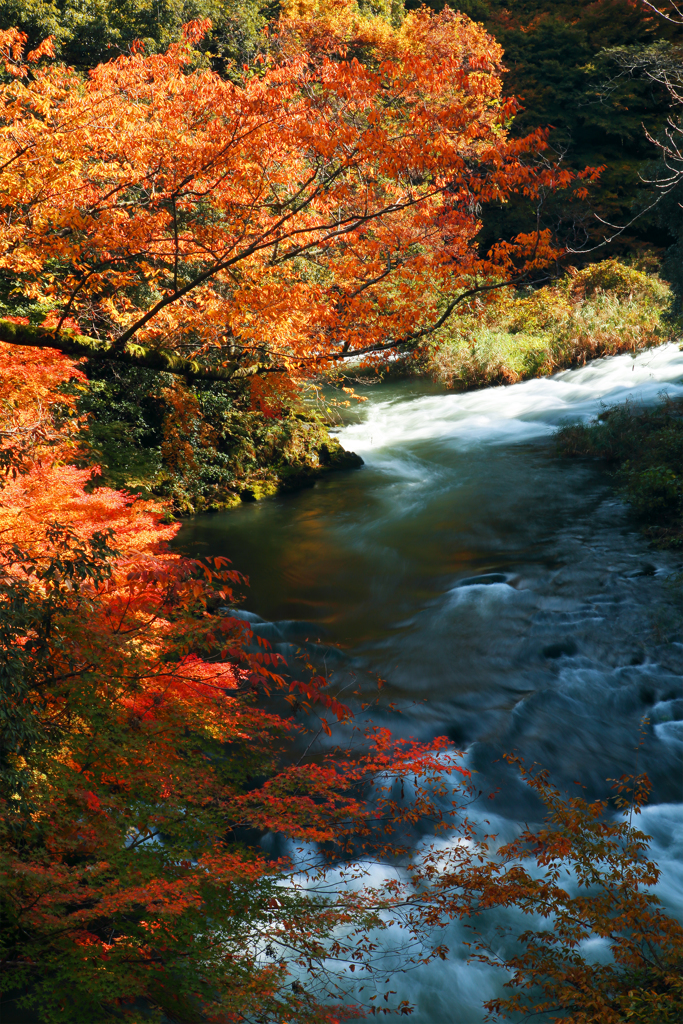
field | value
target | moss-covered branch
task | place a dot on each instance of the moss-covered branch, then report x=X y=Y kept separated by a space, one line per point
x=79 y=346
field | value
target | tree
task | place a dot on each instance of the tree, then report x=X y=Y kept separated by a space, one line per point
x=140 y=763
x=319 y=211
x=592 y=881
x=661 y=64
x=86 y=34
x=584 y=878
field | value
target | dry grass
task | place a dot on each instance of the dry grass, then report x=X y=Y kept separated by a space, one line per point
x=605 y=309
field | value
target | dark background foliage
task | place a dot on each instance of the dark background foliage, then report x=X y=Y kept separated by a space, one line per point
x=560 y=64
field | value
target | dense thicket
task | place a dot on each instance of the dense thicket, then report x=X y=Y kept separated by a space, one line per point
x=203 y=447
x=605 y=308
x=560 y=65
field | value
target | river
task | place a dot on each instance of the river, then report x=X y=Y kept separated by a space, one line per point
x=504 y=594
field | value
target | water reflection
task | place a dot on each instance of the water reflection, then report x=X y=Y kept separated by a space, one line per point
x=506 y=597
x=573 y=628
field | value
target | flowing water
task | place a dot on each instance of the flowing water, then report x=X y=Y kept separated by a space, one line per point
x=505 y=595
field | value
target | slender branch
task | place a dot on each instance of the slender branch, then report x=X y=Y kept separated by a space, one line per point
x=175 y=245
x=324 y=232
x=617 y=228
x=678 y=20
x=424 y=331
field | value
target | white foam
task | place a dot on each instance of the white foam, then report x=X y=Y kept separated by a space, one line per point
x=453 y=992
x=519 y=412
x=484 y=599
x=670 y=732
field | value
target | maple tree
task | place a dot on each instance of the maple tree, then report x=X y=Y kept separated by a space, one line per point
x=138 y=762
x=600 y=946
x=141 y=754
x=587 y=879
x=322 y=209
x=141 y=757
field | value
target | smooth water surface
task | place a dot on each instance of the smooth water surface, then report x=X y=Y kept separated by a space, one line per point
x=505 y=595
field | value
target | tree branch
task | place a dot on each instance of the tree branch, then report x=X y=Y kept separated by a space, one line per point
x=80 y=346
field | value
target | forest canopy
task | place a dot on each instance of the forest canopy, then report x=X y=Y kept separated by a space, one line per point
x=259 y=237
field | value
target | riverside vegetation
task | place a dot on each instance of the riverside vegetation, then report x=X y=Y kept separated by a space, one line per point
x=264 y=289
x=644 y=450
x=202 y=448
x=211 y=239
x=604 y=309
x=206 y=448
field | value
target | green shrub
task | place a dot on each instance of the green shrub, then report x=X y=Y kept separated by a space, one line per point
x=203 y=448
x=644 y=448
x=654 y=492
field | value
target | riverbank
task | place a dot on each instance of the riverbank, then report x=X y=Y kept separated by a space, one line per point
x=606 y=309
x=201 y=448
x=204 y=448
x=643 y=448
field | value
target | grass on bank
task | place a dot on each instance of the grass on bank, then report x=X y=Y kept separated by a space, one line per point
x=605 y=309
x=644 y=449
x=203 y=448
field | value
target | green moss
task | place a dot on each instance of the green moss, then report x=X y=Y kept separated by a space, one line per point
x=201 y=448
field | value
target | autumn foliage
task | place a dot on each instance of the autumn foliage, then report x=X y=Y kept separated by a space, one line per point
x=148 y=743
x=320 y=208
x=323 y=208
x=138 y=762
x=599 y=947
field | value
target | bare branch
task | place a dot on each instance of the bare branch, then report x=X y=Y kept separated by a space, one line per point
x=677 y=20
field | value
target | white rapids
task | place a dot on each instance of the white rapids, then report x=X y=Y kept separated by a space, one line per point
x=520 y=412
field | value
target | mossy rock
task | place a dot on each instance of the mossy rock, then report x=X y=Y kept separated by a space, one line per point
x=332 y=456
x=226 y=456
